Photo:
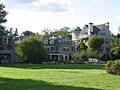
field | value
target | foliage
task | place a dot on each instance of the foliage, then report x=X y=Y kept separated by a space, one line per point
x=105 y=57
x=28 y=33
x=85 y=54
x=46 y=33
x=81 y=46
x=3 y=14
x=63 y=32
x=113 y=67
x=92 y=54
x=80 y=55
x=32 y=49
x=115 y=49
x=95 y=42
x=56 y=77
x=77 y=29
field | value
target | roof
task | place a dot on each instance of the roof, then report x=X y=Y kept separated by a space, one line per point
x=96 y=29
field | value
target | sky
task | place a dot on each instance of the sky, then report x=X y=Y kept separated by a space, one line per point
x=35 y=15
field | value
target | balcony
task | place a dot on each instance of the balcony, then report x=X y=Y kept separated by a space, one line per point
x=84 y=36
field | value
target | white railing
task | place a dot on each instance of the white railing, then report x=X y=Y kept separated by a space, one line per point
x=84 y=36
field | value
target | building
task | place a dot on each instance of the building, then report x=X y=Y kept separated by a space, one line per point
x=100 y=30
x=7 y=51
x=59 y=48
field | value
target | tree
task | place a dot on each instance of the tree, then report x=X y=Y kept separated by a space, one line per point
x=115 y=49
x=3 y=14
x=66 y=32
x=63 y=32
x=77 y=29
x=92 y=54
x=28 y=33
x=32 y=49
x=46 y=33
x=80 y=55
x=95 y=42
x=81 y=46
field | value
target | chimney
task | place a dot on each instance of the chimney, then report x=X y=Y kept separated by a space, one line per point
x=90 y=28
x=107 y=25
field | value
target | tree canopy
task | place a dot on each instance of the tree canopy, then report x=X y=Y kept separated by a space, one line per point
x=32 y=49
x=3 y=14
x=81 y=46
x=95 y=42
x=63 y=32
x=115 y=49
x=28 y=33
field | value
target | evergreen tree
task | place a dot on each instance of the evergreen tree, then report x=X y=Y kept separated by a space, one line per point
x=3 y=14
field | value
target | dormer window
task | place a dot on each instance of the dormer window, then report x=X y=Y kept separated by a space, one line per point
x=4 y=40
x=51 y=42
x=46 y=41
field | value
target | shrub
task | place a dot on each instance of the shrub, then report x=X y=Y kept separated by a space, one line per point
x=113 y=67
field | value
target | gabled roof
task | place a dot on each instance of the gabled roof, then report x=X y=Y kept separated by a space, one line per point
x=96 y=29
x=85 y=30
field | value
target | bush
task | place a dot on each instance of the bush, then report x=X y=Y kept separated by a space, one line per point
x=113 y=67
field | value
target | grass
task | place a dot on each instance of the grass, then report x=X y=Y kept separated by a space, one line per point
x=56 y=77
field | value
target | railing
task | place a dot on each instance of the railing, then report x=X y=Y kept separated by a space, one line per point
x=84 y=36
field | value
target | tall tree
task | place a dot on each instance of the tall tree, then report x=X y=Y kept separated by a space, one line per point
x=95 y=42
x=32 y=49
x=115 y=49
x=81 y=46
x=3 y=14
x=63 y=32
x=46 y=33
x=28 y=33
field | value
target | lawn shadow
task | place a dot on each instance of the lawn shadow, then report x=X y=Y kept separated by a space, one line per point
x=28 y=84
x=55 y=66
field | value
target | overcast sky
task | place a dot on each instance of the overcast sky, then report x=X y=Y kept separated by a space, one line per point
x=34 y=15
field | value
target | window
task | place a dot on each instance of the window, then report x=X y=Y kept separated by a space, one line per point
x=73 y=49
x=66 y=57
x=66 y=49
x=1 y=48
x=48 y=49
x=107 y=41
x=46 y=42
x=51 y=42
x=5 y=40
x=101 y=50
x=107 y=49
x=53 y=49
x=1 y=39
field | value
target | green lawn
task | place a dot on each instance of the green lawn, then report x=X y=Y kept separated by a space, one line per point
x=56 y=77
